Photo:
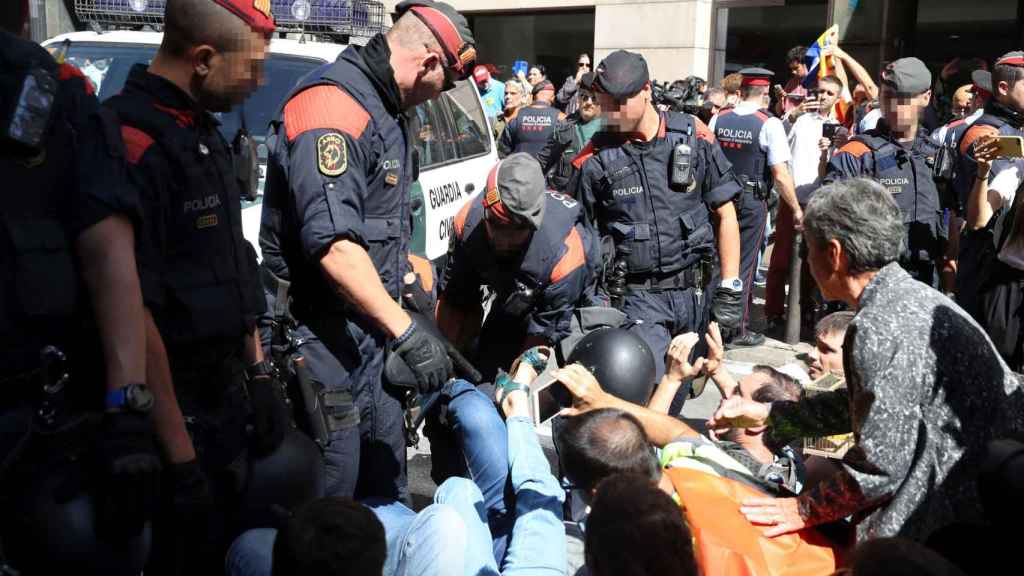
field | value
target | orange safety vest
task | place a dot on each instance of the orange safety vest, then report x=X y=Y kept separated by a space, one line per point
x=727 y=544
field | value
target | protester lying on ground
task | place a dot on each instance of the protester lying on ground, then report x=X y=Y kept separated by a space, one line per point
x=330 y=536
x=927 y=390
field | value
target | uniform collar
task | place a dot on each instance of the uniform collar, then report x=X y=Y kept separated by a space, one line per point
x=374 y=60
x=167 y=96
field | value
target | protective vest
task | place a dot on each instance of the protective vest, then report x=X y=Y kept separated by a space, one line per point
x=212 y=285
x=727 y=544
x=532 y=128
x=38 y=290
x=387 y=212
x=537 y=269
x=656 y=229
x=739 y=136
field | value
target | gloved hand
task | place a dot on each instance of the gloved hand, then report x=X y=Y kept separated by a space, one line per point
x=269 y=418
x=131 y=475
x=425 y=355
x=195 y=528
x=727 y=309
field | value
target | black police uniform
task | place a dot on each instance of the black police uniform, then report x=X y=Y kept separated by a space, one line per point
x=535 y=292
x=739 y=137
x=530 y=130
x=907 y=172
x=62 y=161
x=340 y=168
x=662 y=232
x=199 y=281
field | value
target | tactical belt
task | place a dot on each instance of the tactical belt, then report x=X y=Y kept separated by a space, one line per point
x=690 y=278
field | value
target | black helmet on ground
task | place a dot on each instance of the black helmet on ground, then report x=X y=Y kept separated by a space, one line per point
x=620 y=360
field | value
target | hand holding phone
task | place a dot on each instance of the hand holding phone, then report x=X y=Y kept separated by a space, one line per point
x=1009 y=147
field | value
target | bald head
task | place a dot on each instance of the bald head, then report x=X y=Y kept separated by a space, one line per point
x=191 y=23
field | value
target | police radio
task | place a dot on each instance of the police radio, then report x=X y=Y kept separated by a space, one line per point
x=681 y=177
x=29 y=117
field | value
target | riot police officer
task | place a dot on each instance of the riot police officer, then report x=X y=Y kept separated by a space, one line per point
x=651 y=185
x=336 y=225
x=199 y=275
x=527 y=246
x=78 y=462
x=901 y=157
x=533 y=126
x=756 y=144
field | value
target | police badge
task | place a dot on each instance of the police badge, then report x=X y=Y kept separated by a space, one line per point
x=332 y=154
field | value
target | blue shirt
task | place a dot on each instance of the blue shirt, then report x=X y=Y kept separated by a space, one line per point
x=493 y=98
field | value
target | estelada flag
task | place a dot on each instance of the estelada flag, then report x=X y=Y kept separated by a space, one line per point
x=819 y=66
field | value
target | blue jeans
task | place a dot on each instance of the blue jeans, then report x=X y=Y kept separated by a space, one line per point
x=537 y=542
x=430 y=543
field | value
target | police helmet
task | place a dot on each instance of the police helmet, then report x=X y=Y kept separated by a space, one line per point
x=282 y=480
x=620 y=360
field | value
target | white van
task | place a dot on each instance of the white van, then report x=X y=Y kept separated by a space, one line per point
x=451 y=135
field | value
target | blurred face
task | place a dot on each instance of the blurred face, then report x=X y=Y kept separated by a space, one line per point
x=828 y=94
x=223 y=80
x=962 y=101
x=624 y=115
x=534 y=76
x=507 y=240
x=797 y=69
x=902 y=112
x=827 y=355
x=589 y=108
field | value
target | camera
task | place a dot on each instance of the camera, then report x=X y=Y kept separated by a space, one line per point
x=829 y=130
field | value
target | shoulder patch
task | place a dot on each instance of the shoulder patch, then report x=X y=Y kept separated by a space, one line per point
x=332 y=154
x=973 y=133
x=327 y=107
x=855 y=148
x=460 y=218
x=136 y=142
x=703 y=132
x=67 y=72
x=572 y=259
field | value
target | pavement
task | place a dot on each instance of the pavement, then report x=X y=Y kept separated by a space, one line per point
x=695 y=412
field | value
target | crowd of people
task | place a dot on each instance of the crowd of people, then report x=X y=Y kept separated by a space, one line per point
x=172 y=406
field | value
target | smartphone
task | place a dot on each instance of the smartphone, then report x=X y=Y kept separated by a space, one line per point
x=547 y=398
x=829 y=130
x=796 y=97
x=1009 y=147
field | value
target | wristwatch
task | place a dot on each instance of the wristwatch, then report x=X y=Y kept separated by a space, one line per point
x=132 y=398
x=733 y=284
x=259 y=370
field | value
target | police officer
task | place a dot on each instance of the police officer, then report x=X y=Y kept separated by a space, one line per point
x=571 y=136
x=199 y=275
x=78 y=461
x=948 y=139
x=533 y=126
x=755 y=143
x=336 y=224
x=527 y=246
x=651 y=185
x=901 y=157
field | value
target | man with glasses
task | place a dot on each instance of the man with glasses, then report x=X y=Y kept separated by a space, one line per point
x=658 y=186
x=571 y=137
x=900 y=157
x=336 y=225
x=568 y=96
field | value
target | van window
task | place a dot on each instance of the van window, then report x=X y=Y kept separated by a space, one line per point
x=470 y=126
x=431 y=135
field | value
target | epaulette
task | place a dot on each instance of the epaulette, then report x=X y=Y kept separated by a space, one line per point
x=324 y=106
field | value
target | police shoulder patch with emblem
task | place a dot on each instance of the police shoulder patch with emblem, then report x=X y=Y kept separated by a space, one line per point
x=332 y=154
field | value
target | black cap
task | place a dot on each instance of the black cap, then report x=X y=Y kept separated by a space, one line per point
x=587 y=81
x=621 y=75
x=756 y=77
x=542 y=86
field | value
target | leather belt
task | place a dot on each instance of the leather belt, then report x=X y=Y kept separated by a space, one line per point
x=690 y=278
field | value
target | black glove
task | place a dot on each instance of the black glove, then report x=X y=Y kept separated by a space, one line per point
x=269 y=418
x=727 y=309
x=425 y=355
x=130 y=476
x=191 y=537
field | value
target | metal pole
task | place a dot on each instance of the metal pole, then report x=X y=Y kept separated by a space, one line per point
x=793 y=298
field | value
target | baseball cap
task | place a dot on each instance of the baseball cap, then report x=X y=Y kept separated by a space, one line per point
x=587 y=81
x=907 y=76
x=1015 y=58
x=481 y=74
x=621 y=75
x=981 y=81
x=449 y=28
x=542 y=86
x=255 y=13
x=756 y=77
x=515 y=191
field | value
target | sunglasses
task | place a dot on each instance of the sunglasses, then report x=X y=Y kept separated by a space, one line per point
x=586 y=97
x=584 y=64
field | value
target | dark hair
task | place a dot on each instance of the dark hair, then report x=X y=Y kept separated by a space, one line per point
x=582 y=54
x=540 y=68
x=12 y=16
x=636 y=529
x=832 y=79
x=190 y=23
x=1006 y=73
x=330 y=536
x=599 y=443
x=796 y=53
x=899 y=556
x=780 y=387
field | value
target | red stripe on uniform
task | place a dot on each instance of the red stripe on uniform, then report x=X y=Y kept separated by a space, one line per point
x=324 y=107
x=136 y=142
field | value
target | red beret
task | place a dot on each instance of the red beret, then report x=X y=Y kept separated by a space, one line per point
x=255 y=13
